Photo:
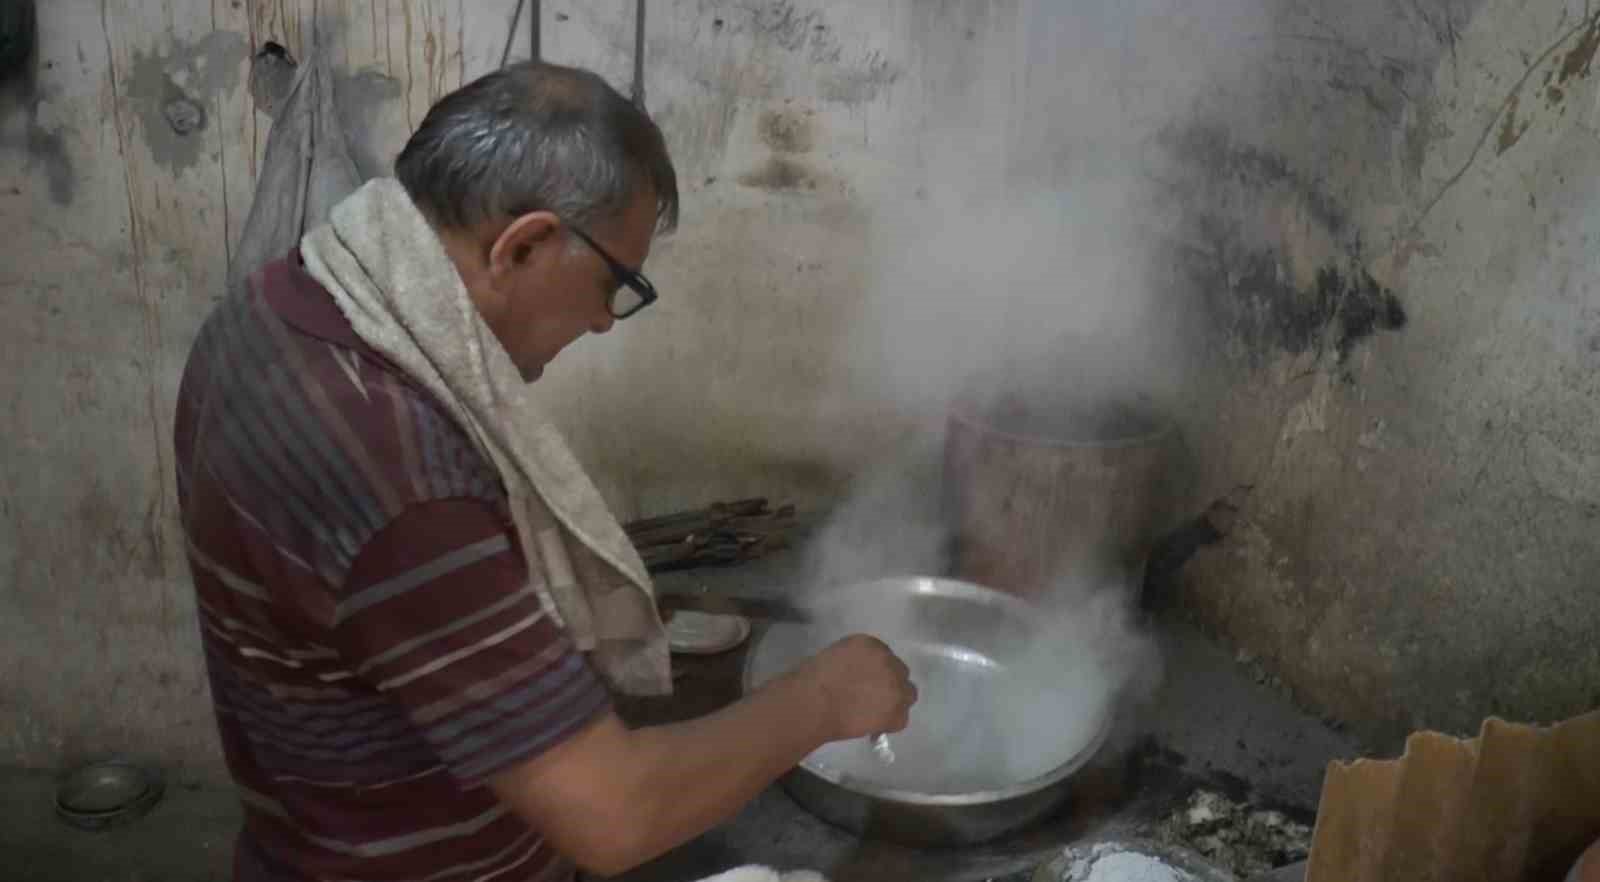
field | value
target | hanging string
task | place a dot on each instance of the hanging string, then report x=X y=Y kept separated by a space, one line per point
x=511 y=32
x=534 y=50
x=638 y=54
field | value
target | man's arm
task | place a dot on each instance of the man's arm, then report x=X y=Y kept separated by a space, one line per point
x=611 y=798
x=501 y=696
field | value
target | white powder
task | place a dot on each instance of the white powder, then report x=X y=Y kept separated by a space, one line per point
x=1109 y=862
x=1128 y=866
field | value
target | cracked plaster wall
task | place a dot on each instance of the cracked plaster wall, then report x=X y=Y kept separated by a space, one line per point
x=1418 y=540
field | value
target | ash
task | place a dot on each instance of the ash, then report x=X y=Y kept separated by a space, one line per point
x=1244 y=840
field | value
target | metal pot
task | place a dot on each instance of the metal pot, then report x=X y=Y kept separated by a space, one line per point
x=1042 y=499
x=988 y=751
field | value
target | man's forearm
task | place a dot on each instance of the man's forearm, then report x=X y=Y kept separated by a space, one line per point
x=610 y=798
x=696 y=774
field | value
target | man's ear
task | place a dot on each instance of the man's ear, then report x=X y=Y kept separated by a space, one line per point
x=522 y=241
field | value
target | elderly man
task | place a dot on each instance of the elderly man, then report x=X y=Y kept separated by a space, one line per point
x=414 y=606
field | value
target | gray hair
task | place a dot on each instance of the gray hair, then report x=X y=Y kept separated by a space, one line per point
x=536 y=137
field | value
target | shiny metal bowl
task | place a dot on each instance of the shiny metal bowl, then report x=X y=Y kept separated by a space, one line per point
x=996 y=736
x=105 y=794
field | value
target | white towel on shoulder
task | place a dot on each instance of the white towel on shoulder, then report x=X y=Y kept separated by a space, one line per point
x=389 y=273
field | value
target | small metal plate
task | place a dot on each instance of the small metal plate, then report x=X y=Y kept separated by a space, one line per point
x=697 y=633
x=104 y=794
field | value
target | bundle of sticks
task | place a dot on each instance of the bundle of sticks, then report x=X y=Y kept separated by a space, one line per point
x=724 y=533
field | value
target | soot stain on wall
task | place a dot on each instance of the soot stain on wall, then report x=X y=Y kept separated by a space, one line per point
x=45 y=148
x=794 y=30
x=1361 y=306
x=48 y=149
x=1213 y=149
x=1249 y=291
x=1264 y=309
x=780 y=174
x=846 y=77
x=861 y=83
x=172 y=90
x=1252 y=299
x=787 y=131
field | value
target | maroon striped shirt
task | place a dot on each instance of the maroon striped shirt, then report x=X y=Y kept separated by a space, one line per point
x=374 y=647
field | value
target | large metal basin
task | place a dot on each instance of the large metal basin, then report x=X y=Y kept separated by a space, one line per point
x=1001 y=726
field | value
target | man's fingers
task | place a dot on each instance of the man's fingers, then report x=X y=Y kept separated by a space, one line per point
x=903 y=720
x=903 y=712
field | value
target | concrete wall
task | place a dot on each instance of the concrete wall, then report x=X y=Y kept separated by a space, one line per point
x=1419 y=545
x=1352 y=237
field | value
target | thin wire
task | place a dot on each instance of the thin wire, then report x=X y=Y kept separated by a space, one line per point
x=1588 y=21
x=638 y=54
x=511 y=34
x=533 y=31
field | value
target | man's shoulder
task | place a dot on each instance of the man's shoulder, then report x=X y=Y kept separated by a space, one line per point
x=294 y=297
x=404 y=432
x=313 y=433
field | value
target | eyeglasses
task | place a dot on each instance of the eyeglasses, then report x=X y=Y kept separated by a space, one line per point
x=634 y=292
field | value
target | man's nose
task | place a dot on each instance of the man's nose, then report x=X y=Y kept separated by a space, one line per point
x=603 y=320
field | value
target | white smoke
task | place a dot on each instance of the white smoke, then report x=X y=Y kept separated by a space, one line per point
x=1029 y=257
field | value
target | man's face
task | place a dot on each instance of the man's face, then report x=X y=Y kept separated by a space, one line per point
x=550 y=288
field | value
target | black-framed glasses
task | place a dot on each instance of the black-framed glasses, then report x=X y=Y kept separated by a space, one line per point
x=634 y=292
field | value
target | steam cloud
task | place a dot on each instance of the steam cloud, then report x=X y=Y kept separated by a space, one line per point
x=1029 y=259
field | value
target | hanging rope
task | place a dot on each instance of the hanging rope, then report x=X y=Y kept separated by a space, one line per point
x=511 y=32
x=533 y=32
x=638 y=54
x=534 y=51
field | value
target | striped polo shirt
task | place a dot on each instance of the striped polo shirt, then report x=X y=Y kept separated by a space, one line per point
x=374 y=648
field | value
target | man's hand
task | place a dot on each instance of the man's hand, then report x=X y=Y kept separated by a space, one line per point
x=866 y=689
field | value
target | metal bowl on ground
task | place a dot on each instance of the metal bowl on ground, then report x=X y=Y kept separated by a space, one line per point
x=105 y=794
x=1002 y=723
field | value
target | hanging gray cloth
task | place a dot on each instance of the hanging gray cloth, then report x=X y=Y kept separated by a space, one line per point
x=308 y=168
x=18 y=23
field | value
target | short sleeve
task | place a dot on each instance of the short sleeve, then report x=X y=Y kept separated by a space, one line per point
x=439 y=615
